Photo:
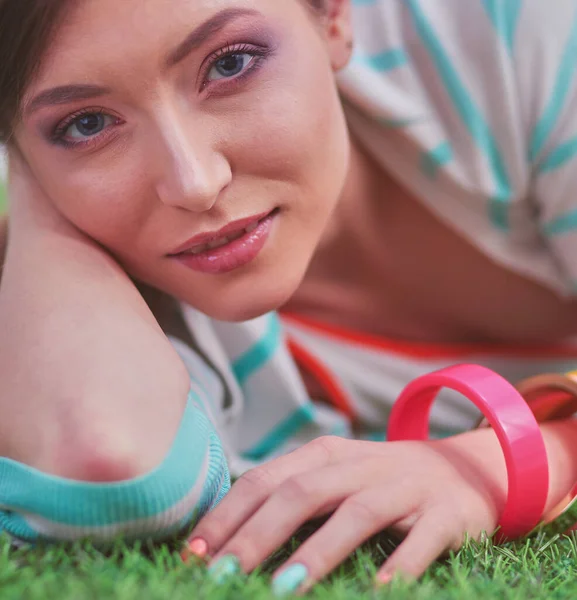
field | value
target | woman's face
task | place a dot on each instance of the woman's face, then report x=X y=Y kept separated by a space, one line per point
x=154 y=124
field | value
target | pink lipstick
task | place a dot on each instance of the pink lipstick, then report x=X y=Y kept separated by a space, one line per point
x=229 y=248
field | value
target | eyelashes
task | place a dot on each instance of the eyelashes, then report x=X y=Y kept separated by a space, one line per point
x=58 y=135
x=224 y=57
x=230 y=52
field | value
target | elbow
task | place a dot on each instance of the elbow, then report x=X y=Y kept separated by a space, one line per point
x=101 y=466
x=95 y=459
x=100 y=449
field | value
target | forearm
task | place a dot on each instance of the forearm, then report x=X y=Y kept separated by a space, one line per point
x=82 y=360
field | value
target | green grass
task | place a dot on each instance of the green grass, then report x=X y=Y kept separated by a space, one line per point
x=539 y=568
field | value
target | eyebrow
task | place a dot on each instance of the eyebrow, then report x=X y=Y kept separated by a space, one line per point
x=205 y=31
x=70 y=93
x=64 y=95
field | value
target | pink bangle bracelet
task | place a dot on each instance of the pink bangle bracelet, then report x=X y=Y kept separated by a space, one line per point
x=553 y=396
x=513 y=422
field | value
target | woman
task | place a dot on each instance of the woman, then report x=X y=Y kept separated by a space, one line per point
x=206 y=150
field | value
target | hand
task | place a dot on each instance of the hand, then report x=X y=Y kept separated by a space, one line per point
x=30 y=208
x=3 y=240
x=429 y=491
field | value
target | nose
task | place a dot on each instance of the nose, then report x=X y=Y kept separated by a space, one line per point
x=191 y=172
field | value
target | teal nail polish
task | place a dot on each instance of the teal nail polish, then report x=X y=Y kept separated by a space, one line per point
x=224 y=568
x=290 y=580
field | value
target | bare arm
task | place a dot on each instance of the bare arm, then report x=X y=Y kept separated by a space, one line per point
x=90 y=388
x=3 y=239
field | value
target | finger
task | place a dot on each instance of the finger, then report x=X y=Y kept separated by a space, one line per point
x=297 y=500
x=28 y=200
x=358 y=519
x=250 y=492
x=433 y=534
x=17 y=166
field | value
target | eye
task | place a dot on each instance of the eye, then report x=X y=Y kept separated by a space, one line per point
x=88 y=125
x=230 y=65
x=84 y=127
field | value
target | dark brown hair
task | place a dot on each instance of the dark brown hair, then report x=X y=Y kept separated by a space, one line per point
x=26 y=29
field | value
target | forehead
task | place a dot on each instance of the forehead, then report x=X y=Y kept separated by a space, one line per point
x=98 y=38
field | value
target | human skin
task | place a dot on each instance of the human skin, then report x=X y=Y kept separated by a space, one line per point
x=159 y=172
x=77 y=336
x=179 y=156
x=184 y=153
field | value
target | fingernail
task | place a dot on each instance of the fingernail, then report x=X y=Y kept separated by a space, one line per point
x=196 y=548
x=289 y=580
x=384 y=578
x=224 y=568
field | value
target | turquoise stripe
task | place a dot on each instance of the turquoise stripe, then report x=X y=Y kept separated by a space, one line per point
x=282 y=433
x=85 y=504
x=504 y=15
x=375 y=436
x=470 y=114
x=442 y=434
x=259 y=354
x=387 y=60
x=17 y=526
x=566 y=223
x=563 y=83
x=560 y=156
x=436 y=159
x=341 y=430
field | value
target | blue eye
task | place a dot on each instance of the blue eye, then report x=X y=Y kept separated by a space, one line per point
x=88 y=125
x=230 y=65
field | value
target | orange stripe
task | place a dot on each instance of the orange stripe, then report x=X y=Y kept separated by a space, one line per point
x=335 y=393
x=433 y=350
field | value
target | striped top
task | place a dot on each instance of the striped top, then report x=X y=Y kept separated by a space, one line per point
x=473 y=105
x=249 y=375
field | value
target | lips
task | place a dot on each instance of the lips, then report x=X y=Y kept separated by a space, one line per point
x=221 y=241
x=231 y=248
x=212 y=240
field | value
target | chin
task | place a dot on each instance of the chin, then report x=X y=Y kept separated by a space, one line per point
x=248 y=298
x=250 y=306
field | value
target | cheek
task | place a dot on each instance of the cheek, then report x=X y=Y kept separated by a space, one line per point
x=296 y=132
x=106 y=203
